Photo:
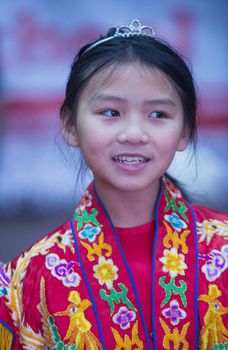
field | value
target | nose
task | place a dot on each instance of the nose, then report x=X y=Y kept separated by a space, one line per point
x=133 y=132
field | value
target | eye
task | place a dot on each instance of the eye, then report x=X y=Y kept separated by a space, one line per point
x=216 y=306
x=158 y=115
x=73 y=310
x=110 y=113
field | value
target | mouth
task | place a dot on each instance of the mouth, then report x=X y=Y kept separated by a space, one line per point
x=131 y=159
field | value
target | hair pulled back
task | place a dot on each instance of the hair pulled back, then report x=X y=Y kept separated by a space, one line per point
x=150 y=51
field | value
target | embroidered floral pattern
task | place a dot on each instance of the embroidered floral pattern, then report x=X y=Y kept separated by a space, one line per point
x=127 y=342
x=4 y=276
x=124 y=317
x=99 y=253
x=173 y=190
x=97 y=249
x=215 y=263
x=65 y=240
x=85 y=202
x=175 y=239
x=173 y=263
x=89 y=232
x=173 y=288
x=105 y=271
x=63 y=270
x=4 y=280
x=3 y=291
x=174 y=312
x=29 y=338
x=175 y=336
x=115 y=297
x=175 y=221
x=208 y=228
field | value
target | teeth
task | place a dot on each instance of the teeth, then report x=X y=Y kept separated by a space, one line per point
x=132 y=160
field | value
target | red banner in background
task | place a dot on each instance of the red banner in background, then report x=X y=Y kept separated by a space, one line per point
x=37 y=52
x=39 y=113
x=38 y=42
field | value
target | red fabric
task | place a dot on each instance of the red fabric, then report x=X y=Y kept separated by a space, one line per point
x=36 y=288
x=139 y=261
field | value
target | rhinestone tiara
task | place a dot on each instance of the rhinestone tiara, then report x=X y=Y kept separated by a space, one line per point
x=134 y=28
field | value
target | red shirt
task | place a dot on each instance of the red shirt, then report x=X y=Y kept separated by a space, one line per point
x=140 y=262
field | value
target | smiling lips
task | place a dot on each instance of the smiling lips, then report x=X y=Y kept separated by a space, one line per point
x=131 y=162
x=131 y=159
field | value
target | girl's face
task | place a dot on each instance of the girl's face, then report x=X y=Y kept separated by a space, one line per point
x=129 y=124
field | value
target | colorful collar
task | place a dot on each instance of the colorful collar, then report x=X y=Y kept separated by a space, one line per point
x=111 y=286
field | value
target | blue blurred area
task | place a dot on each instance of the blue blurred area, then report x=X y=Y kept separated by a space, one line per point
x=38 y=41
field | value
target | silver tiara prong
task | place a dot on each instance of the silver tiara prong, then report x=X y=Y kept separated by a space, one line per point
x=135 y=28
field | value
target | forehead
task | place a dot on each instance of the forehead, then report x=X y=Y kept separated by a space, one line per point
x=129 y=77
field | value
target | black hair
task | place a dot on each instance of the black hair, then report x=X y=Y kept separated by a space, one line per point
x=150 y=51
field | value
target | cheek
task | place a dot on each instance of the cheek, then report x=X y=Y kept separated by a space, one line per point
x=92 y=143
x=168 y=140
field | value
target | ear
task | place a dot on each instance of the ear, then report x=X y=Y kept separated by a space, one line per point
x=184 y=140
x=69 y=131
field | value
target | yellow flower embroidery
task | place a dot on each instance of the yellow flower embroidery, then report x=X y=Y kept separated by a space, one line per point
x=173 y=262
x=105 y=272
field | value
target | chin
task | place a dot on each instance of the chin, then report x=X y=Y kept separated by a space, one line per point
x=129 y=186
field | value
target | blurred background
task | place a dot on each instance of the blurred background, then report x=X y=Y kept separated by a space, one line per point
x=38 y=40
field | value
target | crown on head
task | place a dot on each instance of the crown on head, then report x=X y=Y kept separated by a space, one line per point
x=134 y=28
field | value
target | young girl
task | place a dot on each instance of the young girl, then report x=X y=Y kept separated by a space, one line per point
x=137 y=267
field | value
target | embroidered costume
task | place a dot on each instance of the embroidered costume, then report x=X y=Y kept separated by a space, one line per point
x=75 y=288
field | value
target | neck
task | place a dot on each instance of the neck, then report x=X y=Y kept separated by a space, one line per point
x=129 y=208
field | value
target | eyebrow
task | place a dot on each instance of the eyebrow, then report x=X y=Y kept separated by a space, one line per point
x=157 y=101
x=161 y=101
x=105 y=97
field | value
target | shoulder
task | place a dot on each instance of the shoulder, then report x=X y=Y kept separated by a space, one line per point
x=25 y=271
x=44 y=264
x=31 y=262
x=211 y=226
x=204 y=213
x=212 y=235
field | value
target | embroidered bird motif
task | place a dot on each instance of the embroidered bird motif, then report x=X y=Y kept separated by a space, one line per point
x=28 y=337
x=208 y=228
x=79 y=333
x=213 y=332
